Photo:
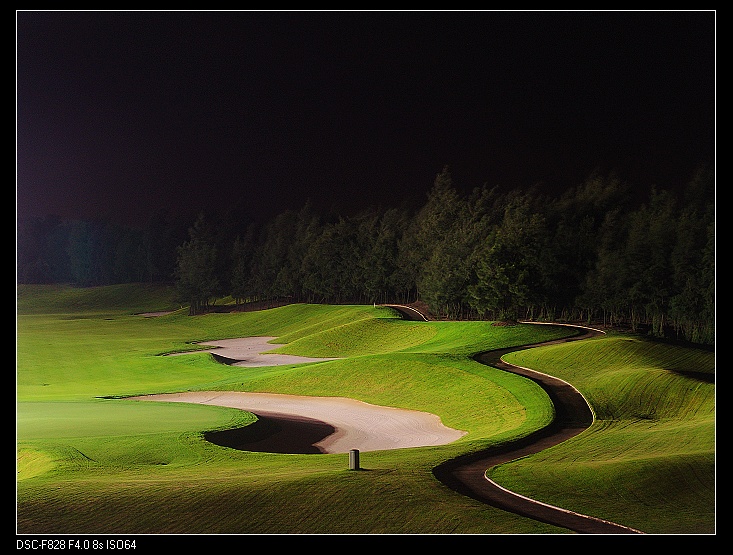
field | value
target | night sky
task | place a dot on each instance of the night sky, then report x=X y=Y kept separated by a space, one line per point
x=121 y=114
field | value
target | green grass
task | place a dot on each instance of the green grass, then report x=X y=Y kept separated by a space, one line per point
x=650 y=455
x=89 y=464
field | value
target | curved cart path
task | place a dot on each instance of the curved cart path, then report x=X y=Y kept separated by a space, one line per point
x=249 y=352
x=467 y=475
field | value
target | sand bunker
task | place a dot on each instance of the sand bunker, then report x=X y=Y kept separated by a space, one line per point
x=346 y=423
x=297 y=424
x=251 y=352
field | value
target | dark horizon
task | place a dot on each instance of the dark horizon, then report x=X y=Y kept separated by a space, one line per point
x=120 y=114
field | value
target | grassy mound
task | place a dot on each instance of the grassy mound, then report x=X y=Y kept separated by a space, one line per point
x=653 y=439
x=89 y=461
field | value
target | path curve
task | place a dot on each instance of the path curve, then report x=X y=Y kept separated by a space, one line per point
x=408 y=312
x=467 y=474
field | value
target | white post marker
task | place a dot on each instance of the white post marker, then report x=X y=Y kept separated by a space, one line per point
x=354 y=459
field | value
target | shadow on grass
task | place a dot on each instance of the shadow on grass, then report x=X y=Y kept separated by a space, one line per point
x=275 y=433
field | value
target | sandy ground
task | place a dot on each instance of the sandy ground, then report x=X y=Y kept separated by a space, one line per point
x=300 y=424
x=350 y=424
x=251 y=352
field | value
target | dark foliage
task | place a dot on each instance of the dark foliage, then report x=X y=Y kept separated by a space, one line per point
x=594 y=254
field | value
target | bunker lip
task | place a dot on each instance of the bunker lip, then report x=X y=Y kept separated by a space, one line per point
x=327 y=424
x=275 y=433
x=250 y=352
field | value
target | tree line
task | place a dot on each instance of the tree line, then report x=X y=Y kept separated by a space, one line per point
x=595 y=253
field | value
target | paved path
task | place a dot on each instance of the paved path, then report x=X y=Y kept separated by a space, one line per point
x=467 y=475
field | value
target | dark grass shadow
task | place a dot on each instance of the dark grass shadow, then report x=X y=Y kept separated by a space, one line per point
x=275 y=433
